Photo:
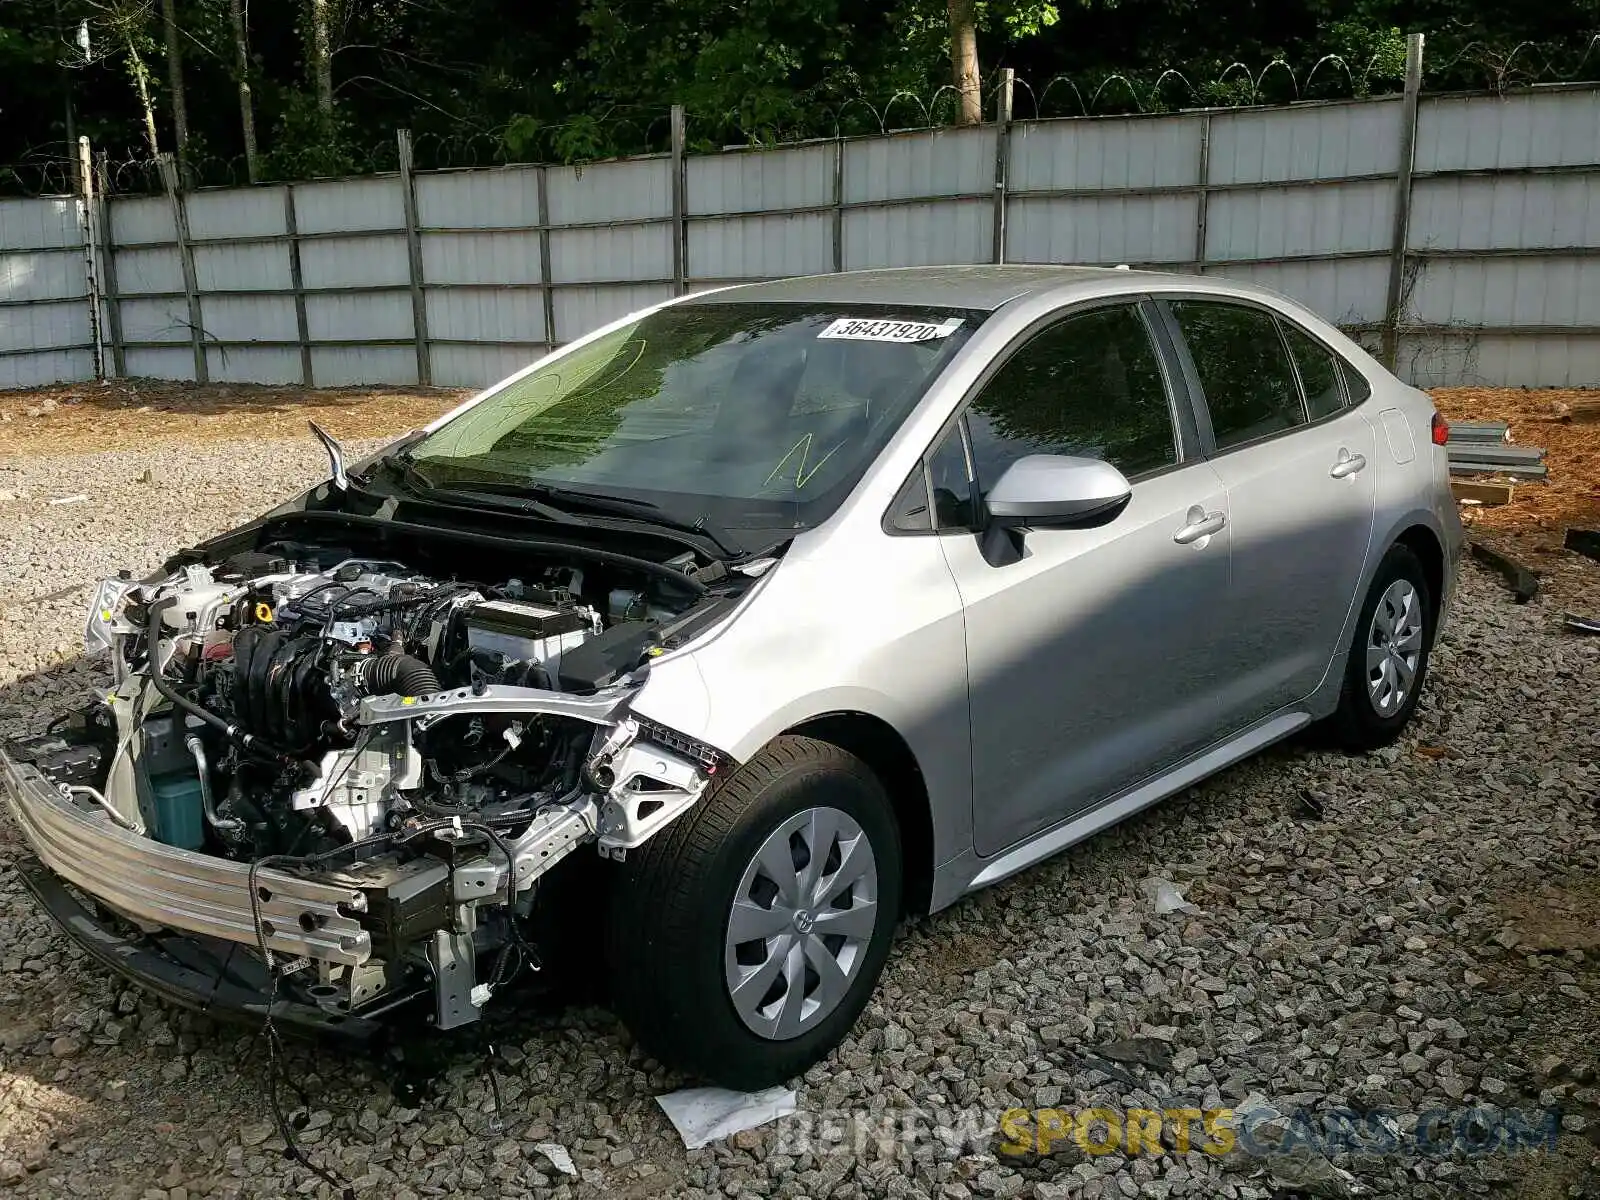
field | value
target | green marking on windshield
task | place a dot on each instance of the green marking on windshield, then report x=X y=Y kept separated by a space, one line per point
x=581 y=388
x=801 y=475
x=685 y=405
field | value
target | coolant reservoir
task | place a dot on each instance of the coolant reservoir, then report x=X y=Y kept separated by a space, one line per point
x=176 y=810
x=199 y=599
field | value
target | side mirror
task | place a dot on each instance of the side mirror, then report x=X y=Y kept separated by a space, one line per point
x=1055 y=490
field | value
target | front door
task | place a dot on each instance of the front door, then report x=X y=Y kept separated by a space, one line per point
x=1300 y=470
x=1091 y=661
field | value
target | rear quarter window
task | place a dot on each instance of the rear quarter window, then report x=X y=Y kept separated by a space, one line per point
x=1357 y=389
x=1319 y=370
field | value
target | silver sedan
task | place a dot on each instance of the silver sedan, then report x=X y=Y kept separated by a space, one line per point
x=800 y=607
x=1077 y=539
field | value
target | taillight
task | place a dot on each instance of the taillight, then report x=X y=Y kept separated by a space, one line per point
x=1441 y=430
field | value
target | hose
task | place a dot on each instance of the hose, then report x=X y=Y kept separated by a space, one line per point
x=207 y=803
x=77 y=789
x=404 y=674
x=152 y=647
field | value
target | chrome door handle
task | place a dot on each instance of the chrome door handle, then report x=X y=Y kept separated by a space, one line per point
x=1199 y=524
x=1348 y=464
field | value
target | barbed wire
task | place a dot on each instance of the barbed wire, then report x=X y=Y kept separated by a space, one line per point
x=37 y=177
x=629 y=130
x=1525 y=63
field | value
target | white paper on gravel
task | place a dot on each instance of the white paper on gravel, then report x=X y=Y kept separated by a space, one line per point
x=1167 y=897
x=703 y=1115
x=558 y=1156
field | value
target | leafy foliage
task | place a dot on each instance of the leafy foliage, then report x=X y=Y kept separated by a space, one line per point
x=307 y=143
x=498 y=80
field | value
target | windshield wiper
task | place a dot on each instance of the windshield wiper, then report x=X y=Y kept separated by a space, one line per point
x=533 y=497
x=495 y=495
x=646 y=510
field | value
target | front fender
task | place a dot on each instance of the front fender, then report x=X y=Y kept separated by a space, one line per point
x=891 y=645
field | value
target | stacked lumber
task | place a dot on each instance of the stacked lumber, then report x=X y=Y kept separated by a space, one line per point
x=1489 y=495
x=1484 y=448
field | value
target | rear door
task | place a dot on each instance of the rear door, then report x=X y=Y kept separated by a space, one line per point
x=1300 y=470
x=1092 y=661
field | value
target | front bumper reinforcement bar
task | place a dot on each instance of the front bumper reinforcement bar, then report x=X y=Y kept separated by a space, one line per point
x=166 y=886
x=211 y=977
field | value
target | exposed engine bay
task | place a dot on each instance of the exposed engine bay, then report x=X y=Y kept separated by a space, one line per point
x=433 y=745
x=293 y=662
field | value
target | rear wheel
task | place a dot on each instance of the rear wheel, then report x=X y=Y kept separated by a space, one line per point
x=746 y=939
x=1388 y=660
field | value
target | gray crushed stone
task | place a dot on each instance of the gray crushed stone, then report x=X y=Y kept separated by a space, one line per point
x=1422 y=946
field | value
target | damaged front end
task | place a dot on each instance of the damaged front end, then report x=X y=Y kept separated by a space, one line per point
x=351 y=772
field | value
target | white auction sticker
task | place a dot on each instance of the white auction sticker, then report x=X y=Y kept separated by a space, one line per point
x=861 y=329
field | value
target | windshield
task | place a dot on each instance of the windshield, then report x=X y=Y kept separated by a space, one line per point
x=750 y=416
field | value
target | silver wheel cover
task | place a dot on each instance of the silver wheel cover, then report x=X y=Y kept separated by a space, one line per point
x=803 y=915
x=1394 y=647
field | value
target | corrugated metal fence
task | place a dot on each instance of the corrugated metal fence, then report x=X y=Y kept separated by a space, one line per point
x=461 y=276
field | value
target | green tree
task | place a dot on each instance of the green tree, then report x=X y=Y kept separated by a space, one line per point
x=240 y=39
x=326 y=82
x=126 y=25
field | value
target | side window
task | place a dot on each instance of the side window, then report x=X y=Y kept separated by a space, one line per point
x=1319 y=372
x=1249 y=387
x=1090 y=385
x=943 y=479
x=910 y=513
x=1355 y=383
x=951 y=484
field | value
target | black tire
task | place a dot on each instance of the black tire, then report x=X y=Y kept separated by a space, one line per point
x=671 y=902
x=1357 y=724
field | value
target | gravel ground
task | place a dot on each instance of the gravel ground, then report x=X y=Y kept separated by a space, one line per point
x=1433 y=941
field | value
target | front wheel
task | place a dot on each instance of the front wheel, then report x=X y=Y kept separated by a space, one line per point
x=1388 y=659
x=747 y=937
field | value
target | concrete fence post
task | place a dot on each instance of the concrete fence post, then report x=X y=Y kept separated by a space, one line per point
x=108 y=260
x=547 y=291
x=89 y=231
x=1002 y=160
x=1203 y=197
x=419 y=300
x=297 y=284
x=680 y=231
x=838 y=203
x=191 y=286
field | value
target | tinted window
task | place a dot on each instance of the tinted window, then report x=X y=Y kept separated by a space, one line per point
x=759 y=417
x=1090 y=385
x=942 y=477
x=1355 y=383
x=1319 y=373
x=1249 y=389
x=951 y=484
x=910 y=513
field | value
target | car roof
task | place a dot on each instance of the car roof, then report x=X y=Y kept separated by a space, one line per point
x=983 y=287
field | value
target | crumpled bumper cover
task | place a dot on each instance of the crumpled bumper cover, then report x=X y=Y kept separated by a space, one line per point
x=178 y=889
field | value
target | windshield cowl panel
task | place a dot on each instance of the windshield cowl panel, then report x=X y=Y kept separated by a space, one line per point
x=754 y=420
